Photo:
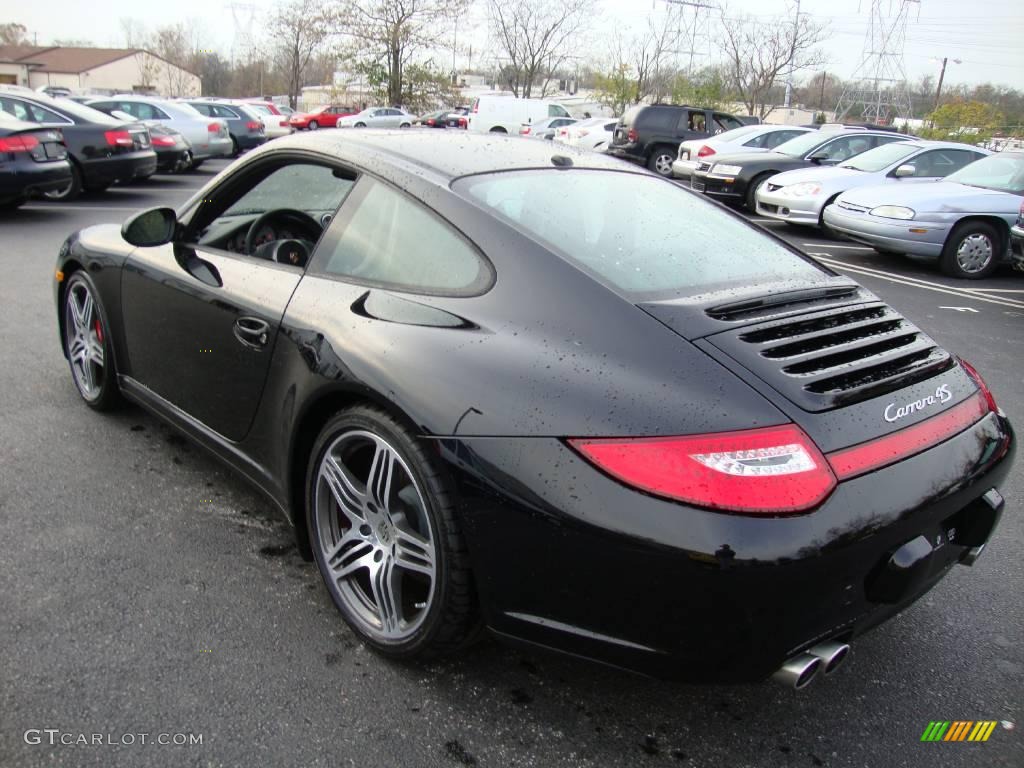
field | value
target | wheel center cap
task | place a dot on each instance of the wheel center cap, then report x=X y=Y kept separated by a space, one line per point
x=385 y=532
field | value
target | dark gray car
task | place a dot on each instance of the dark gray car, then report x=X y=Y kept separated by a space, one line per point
x=244 y=124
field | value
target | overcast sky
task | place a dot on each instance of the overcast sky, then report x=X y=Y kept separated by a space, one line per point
x=986 y=35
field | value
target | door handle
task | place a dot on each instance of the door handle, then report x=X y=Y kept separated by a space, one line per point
x=252 y=331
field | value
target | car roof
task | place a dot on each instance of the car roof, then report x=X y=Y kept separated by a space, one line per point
x=446 y=154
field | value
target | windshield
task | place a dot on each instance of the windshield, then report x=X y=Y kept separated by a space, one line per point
x=999 y=172
x=881 y=157
x=804 y=143
x=674 y=243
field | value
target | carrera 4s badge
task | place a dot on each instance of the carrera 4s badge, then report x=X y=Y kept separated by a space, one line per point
x=894 y=412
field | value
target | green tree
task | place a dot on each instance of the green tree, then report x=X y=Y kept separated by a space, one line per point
x=973 y=121
x=616 y=89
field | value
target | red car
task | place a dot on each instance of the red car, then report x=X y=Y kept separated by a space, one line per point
x=326 y=116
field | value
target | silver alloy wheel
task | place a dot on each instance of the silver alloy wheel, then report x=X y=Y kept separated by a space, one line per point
x=59 y=194
x=84 y=338
x=184 y=162
x=375 y=537
x=313 y=125
x=974 y=253
x=663 y=164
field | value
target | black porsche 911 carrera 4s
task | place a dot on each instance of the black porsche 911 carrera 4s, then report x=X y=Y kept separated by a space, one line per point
x=498 y=384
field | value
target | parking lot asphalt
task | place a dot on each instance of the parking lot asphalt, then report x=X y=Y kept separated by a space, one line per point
x=146 y=589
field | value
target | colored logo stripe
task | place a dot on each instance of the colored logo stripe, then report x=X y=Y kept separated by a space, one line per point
x=958 y=730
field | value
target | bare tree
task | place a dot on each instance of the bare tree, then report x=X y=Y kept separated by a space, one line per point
x=14 y=34
x=386 y=35
x=178 y=45
x=300 y=27
x=759 y=51
x=537 y=36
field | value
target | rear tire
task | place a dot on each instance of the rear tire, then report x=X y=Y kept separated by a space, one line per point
x=660 y=162
x=87 y=343
x=971 y=251
x=498 y=129
x=313 y=125
x=384 y=532
x=71 y=191
x=235 y=149
x=405 y=125
x=359 y=125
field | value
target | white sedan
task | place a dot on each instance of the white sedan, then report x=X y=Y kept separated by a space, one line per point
x=378 y=117
x=593 y=133
x=746 y=138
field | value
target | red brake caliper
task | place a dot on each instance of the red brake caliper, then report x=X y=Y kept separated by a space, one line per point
x=99 y=330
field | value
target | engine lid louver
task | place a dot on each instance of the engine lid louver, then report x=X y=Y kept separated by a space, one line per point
x=826 y=359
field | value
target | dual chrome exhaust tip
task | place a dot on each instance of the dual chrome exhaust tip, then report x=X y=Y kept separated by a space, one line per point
x=801 y=670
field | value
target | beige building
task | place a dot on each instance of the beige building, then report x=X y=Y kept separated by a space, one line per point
x=119 y=70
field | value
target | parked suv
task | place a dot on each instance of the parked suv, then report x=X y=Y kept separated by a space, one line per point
x=650 y=134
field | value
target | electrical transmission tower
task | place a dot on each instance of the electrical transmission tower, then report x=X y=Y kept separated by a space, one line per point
x=242 y=43
x=877 y=91
x=693 y=32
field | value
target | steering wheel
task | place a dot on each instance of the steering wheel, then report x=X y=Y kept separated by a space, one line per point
x=299 y=218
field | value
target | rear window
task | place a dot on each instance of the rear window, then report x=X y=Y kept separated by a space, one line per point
x=643 y=236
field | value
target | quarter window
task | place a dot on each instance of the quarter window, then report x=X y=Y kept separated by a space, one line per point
x=31 y=113
x=390 y=240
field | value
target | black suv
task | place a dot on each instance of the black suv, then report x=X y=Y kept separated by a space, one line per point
x=650 y=134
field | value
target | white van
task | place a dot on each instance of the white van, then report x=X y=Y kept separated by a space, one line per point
x=505 y=114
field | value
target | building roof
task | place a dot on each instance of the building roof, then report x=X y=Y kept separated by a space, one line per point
x=66 y=60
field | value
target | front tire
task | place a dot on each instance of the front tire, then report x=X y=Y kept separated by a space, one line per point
x=386 y=539
x=87 y=344
x=498 y=129
x=313 y=125
x=750 y=199
x=359 y=125
x=972 y=251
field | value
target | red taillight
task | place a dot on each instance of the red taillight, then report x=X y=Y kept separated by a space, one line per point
x=430 y=121
x=284 y=123
x=213 y=127
x=118 y=138
x=462 y=122
x=18 y=144
x=632 y=135
x=253 y=125
x=705 y=151
x=525 y=130
x=476 y=106
x=768 y=471
x=163 y=141
x=971 y=371
x=867 y=457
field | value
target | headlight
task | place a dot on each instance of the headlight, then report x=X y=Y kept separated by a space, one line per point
x=804 y=189
x=728 y=170
x=893 y=212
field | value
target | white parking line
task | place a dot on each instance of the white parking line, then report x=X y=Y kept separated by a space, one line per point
x=998 y=290
x=836 y=245
x=964 y=293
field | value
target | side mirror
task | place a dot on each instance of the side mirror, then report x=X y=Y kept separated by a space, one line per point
x=818 y=158
x=150 y=228
x=904 y=170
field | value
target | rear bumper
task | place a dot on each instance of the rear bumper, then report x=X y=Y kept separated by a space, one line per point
x=214 y=147
x=26 y=177
x=595 y=569
x=629 y=155
x=683 y=169
x=888 y=234
x=251 y=141
x=118 y=168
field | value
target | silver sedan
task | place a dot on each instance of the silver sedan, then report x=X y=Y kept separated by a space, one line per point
x=963 y=221
x=800 y=196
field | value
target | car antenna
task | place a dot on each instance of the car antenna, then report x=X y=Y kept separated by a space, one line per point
x=561 y=161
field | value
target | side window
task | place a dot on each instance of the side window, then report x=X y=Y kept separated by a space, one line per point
x=844 y=148
x=878 y=141
x=142 y=111
x=227 y=114
x=697 y=122
x=203 y=109
x=761 y=140
x=16 y=108
x=556 y=110
x=104 y=106
x=388 y=239
x=773 y=139
x=942 y=162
